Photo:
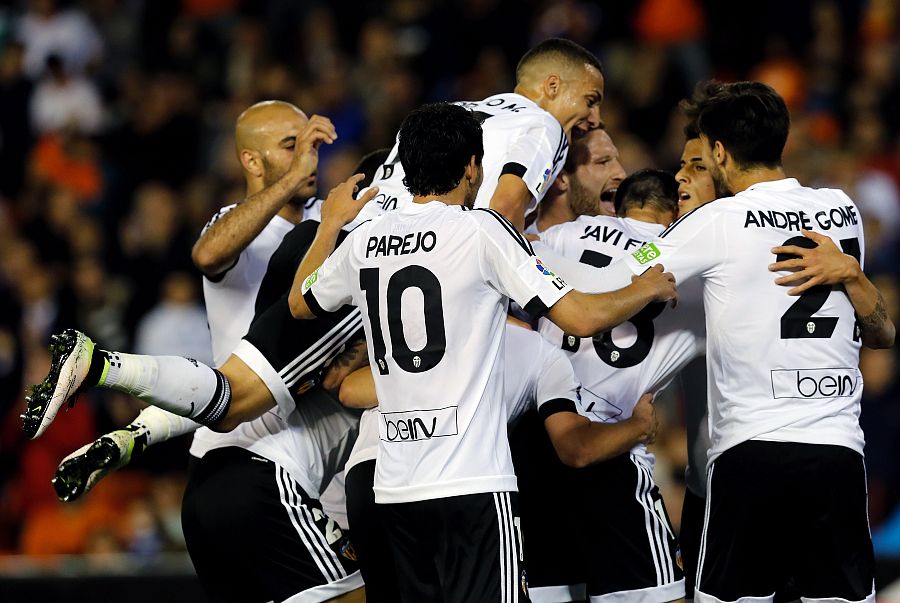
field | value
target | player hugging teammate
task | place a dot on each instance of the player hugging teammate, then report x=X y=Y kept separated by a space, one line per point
x=425 y=264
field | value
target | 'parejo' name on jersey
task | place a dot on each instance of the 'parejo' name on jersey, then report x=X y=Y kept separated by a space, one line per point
x=795 y=220
x=603 y=233
x=395 y=245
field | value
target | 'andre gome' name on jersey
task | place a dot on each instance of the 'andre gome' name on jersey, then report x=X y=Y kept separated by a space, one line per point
x=795 y=220
x=396 y=245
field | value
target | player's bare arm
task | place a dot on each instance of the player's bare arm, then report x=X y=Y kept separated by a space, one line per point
x=339 y=209
x=511 y=198
x=218 y=248
x=826 y=264
x=353 y=358
x=358 y=389
x=580 y=442
x=584 y=314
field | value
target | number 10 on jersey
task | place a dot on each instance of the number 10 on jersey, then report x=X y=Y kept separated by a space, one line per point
x=408 y=277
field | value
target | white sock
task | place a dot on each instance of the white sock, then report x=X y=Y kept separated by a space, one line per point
x=179 y=385
x=159 y=425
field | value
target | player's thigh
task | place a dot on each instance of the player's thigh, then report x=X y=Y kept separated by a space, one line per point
x=634 y=552
x=744 y=551
x=482 y=562
x=374 y=554
x=412 y=535
x=836 y=561
x=692 y=512
x=288 y=544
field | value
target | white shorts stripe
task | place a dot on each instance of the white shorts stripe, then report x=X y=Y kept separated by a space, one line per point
x=322 y=353
x=353 y=316
x=702 y=556
x=513 y=556
x=651 y=538
x=661 y=530
x=331 y=558
x=504 y=598
x=286 y=500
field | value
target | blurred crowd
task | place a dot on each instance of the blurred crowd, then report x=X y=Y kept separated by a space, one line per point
x=116 y=146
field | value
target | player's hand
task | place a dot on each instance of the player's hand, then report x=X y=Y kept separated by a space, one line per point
x=824 y=264
x=659 y=284
x=340 y=207
x=318 y=130
x=351 y=359
x=644 y=415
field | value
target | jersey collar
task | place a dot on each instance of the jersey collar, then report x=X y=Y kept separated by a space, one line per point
x=774 y=185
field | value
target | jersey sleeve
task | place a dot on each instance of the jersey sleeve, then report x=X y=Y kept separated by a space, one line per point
x=328 y=287
x=537 y=154
x=688 y=248
x=509 y=264
x=557 y=388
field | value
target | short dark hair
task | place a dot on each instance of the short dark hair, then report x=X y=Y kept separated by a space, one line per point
x=647 y=187
x=559 y=48
x=750 y=119
x=436 y=142
x=692 y=106
x=369 y=165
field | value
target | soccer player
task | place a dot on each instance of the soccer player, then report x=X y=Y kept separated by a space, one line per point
x=786 y=476
x=283 y=459
x=559 y=88
x=434 y=279
x=587 y=184
x=638 y=559
x=536 y=375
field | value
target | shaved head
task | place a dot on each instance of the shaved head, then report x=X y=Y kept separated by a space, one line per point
x=258 y=124
x=555 y=55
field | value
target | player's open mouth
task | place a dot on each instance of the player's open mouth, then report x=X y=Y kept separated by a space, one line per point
x=684 y=196
x=608 y=194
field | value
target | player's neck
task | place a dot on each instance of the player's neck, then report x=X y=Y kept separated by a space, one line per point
x=741 y=180
x=555 y=212
x=649 y=215
x=455 y=197
x=292 y=211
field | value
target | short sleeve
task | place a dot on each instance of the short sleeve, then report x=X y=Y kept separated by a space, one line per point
x=328 y=287
x=687 y=248
x=537 y=155
x=557 y=388
x=510 y=265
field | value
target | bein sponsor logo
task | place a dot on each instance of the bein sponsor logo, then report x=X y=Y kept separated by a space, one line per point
x=815 y=383
x=416 y=425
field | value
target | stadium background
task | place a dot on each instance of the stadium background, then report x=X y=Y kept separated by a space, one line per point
x=116 y=122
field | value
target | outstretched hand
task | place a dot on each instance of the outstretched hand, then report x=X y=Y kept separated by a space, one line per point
x=341 y=207
x=824 y=264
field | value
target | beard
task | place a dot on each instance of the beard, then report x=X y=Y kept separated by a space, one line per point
x=721 y=187
x=582 y=201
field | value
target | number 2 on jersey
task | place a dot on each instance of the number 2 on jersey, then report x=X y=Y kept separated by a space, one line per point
x=435 y=335
x=798 y=322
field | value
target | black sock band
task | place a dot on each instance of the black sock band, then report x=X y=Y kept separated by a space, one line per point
x=95 y=370
x=218 y=406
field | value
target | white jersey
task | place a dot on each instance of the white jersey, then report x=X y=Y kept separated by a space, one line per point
x=435 y=282
x=780 y=368
x=310 y=442
x=535 y=375
x=230 y=296
x=642 y=355
x=519 y=138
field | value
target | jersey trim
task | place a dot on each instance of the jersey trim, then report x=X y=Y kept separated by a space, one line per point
x=219 y=276
x=515 y=234
x=535 y=308
x=672 y=226
x=552 y=407
x=514 y=168
x=313 y=304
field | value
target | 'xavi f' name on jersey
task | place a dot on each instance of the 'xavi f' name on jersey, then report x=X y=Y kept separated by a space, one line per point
x=519 y=138
x=434 y=321
x=641 y=355
x=780 y=368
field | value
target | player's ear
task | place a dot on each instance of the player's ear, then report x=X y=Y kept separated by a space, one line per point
x=252 y=163
x=552 y=86
x=472 y=168
x=719 y=153
x=561 y=183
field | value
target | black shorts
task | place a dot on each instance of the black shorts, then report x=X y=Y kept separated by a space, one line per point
x=460 y=549
x=289 y=354
x=786 y=514
x=550 y=493
x=634 y=554
x=253 y=534
x=691 y=532
x=373 y=552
